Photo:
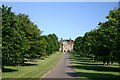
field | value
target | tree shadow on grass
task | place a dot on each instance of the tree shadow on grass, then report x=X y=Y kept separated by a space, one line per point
x=29 y=64
x=9 y=70
x=92 y=76
x=97 y=68
x=86 y=63
x=90 y=65
x=72 y=74
x=80 y=60
x=98 y=76
x=25 y=64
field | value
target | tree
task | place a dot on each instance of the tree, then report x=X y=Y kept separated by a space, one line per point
x=102 y=43
x=78 y=45
x=22 y=39
x=53 y=44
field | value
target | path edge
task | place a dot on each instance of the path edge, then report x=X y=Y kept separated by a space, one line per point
x=52 y=67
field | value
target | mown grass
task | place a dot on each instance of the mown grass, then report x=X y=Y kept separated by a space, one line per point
x=36 y=69
x=86 y=68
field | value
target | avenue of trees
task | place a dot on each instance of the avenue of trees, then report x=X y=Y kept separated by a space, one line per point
x=22 y=39
x=103 y=43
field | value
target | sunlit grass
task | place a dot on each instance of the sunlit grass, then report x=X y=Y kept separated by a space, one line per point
x=86 y=68
x=35 y=69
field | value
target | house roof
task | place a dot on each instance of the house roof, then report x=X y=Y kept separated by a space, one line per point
x=67 y=40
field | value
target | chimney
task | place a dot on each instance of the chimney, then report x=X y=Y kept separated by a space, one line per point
x=61 y=40
x=70 y=39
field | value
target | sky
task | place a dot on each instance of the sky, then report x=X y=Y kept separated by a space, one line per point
x=65 y=19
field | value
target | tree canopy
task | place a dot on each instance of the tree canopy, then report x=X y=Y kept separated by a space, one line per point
x=102 y=43
x=22 y=39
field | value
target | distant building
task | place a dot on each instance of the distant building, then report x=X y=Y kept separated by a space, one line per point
x=66 y=45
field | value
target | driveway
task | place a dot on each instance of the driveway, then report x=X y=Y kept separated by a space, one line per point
x=62 y=69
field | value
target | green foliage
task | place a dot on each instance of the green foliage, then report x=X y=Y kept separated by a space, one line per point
x=32 y=70
x=102 y=43
x=22 y=39
x=53 y=43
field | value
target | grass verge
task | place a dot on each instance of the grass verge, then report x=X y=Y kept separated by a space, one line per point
x=86 y=68
x=35 y=69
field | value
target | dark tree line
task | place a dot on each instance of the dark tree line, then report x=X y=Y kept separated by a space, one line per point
x=103 y=43
x=22 y=39
x=0 y=28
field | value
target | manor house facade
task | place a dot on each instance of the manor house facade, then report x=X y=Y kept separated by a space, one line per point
x=66 y=45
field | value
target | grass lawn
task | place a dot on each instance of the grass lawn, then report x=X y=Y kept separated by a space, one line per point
x=86 y=68
x=36 y=69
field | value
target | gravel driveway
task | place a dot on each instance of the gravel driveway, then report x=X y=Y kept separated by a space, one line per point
x=62 y=69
